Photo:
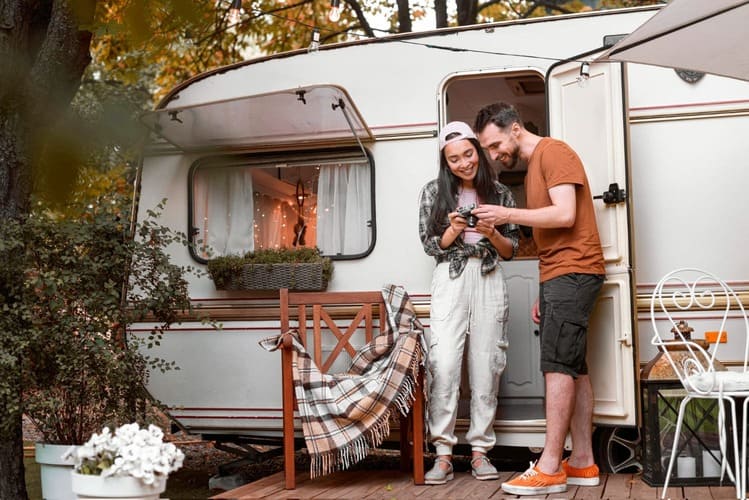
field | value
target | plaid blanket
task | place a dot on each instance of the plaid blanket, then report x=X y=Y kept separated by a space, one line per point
x=344 y=414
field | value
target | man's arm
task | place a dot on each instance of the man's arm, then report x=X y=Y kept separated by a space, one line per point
x=561 y=212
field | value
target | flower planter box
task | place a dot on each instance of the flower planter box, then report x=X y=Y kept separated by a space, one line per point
x=54 y=471
x=123 y=487
x=294 y=276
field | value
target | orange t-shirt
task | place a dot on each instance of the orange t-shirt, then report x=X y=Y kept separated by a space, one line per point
x=575 y=249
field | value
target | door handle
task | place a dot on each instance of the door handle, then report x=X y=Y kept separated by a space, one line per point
x=613 y=196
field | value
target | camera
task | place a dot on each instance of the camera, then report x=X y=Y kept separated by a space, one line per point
x=465 y=212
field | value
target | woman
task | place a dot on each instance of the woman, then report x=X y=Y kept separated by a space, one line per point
x=469 y=298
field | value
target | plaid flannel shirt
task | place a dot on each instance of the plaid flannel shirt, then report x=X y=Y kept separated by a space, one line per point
x=459 y=252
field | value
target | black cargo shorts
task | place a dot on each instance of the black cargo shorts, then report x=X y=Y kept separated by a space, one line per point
x=565 y=303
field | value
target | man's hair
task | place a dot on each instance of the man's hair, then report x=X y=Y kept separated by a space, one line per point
x=501 y=114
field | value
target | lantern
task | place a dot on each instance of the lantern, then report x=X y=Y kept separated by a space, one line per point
x=698 y=454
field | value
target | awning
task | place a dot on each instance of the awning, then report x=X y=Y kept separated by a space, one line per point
x=319 y=114
x=710 y=36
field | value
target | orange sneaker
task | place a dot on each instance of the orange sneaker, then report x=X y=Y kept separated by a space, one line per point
x=535 y=482
x=587 y=476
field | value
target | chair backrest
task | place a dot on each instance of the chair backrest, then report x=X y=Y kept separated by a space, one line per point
x=676 y=298
x=342 y=314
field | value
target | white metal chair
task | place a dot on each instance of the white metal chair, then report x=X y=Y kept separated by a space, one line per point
x=681 y=295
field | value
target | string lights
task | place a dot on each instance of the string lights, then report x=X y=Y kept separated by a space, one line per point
x=334 y=15
x=584 y=76
x=315 y=43
x=272 y=226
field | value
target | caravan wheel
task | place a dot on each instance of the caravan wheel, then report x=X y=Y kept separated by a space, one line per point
x=618 y=449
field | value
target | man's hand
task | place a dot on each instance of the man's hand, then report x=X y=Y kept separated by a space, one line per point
x=495 y=215
x=536 y=313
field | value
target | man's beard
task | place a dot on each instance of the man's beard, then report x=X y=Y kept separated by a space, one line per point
x=514 y=160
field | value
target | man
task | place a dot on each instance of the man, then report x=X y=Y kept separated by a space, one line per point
x=560 y=210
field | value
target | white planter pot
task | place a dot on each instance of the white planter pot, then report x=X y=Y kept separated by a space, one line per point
x=88 y=487
x=54 y=471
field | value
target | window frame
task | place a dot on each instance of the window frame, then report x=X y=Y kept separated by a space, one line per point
x=289 y=157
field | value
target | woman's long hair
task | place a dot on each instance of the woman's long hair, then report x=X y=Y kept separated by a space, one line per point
x=448 y=185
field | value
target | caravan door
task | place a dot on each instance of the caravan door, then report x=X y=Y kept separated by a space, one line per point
x=589 y=114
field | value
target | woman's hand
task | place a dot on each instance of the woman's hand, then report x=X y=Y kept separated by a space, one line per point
x=497 y=239
x=457 y=222
x=457 y=225
x=485 y=228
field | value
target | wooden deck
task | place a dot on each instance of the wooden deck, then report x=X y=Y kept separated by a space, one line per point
x=393 y=484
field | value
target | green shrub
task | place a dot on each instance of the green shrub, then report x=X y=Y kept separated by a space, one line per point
x=84 y=281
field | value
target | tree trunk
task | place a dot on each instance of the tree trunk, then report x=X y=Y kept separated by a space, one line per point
x=440 y=11
x=15 y=174
x=404 y=17
x=467 y=12
x=12 y=480
x=11 y=465
x=43 y=54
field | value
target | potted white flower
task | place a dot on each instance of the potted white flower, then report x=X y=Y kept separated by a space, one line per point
x=131 y=462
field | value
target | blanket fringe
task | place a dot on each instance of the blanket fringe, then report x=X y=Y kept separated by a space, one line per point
x=407 y=396
x=356 y=451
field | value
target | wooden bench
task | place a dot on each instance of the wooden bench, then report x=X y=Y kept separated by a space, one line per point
x=329 y=311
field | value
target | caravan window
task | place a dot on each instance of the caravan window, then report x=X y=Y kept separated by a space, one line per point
x=240 y=205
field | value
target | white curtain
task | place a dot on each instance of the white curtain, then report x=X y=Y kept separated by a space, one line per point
x=344 y=209
x=223 y=211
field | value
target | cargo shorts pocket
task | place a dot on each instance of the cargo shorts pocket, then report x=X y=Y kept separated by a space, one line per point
x=570 y=345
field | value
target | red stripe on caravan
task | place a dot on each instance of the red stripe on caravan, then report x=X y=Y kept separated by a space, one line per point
x=691 y=105
x=221 y=408
x=404 y=125
x=224 y=417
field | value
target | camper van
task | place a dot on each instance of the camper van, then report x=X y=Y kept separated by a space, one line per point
x=339 y=139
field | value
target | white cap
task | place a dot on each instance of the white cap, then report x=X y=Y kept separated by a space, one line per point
x=462 y=130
